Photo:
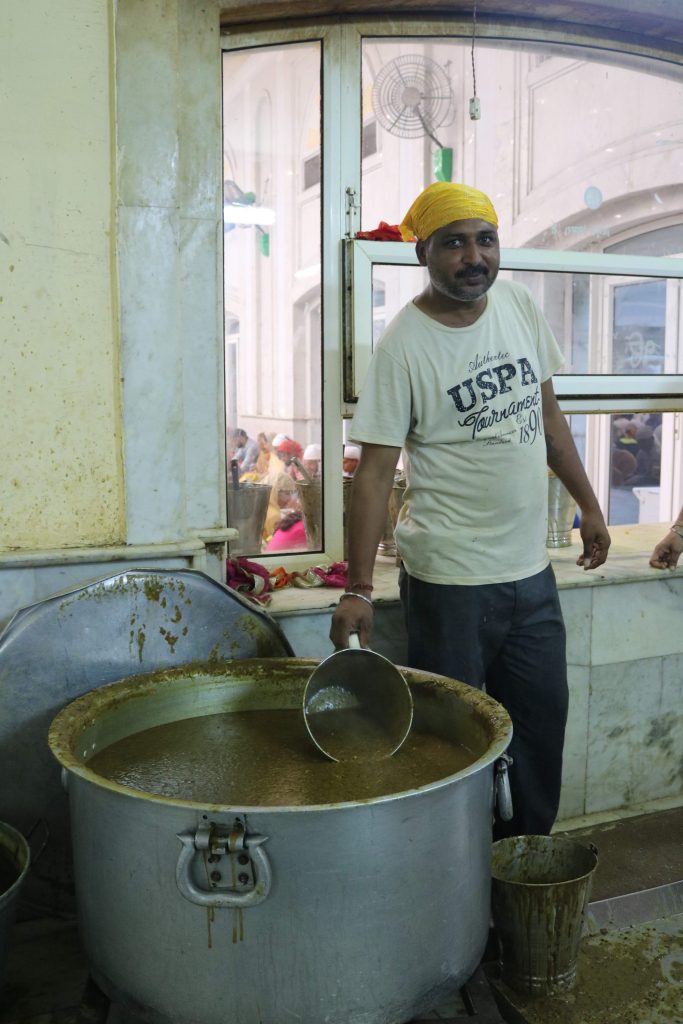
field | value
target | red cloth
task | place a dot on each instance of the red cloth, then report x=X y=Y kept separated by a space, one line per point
x=382 y=233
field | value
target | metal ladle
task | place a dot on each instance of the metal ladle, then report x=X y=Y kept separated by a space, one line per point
x=357 y=705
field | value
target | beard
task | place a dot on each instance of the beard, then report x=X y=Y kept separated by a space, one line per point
x=466 y=286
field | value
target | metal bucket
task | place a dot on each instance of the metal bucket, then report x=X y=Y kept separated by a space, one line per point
x=247 y=510
x=311 y=498
x=14 y=862
x=539 y=895
x=561 y=514
x=355 y=912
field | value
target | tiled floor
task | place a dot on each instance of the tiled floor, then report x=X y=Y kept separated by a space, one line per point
x=47 y=973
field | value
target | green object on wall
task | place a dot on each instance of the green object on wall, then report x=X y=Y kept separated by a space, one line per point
x=264 y=243
x=443 y=164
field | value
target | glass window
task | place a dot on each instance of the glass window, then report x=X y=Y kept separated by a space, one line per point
x=574 y=151
x=630 y=458
x=272 y=245
x=606 y=324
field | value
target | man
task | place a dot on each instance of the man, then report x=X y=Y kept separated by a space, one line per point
x=350 y=460
x=246 y=450
x=289 y=452
x=461 y=381
x=311 y=461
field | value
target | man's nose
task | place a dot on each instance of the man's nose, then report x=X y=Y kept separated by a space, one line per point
x=471 y=253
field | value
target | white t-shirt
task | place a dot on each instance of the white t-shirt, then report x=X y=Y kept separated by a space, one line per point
x=465 y=405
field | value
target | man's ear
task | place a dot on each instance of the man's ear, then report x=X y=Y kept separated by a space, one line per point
x=420 y=253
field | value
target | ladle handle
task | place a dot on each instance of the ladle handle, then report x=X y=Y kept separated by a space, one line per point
x=503 y=794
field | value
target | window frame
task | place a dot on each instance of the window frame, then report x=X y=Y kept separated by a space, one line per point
x=577 y=393
x=346 y=264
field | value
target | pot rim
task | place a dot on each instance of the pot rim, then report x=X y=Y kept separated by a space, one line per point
x=82 y=712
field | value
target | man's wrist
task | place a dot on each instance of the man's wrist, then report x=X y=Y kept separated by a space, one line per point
x=361 y=597
x=362 y=588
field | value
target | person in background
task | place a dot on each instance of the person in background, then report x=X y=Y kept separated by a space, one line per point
x=462 y=382
x=646 y=473
x=246 y=451
x=266 y=457
x=289 y=533
x=288 y=451
x=668 y=551
x=350 y=459
x=628 y=437
x=311 y=460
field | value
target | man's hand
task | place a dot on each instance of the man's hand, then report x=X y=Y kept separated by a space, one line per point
x=352 y=615
x=596 y=540
x=667 y=552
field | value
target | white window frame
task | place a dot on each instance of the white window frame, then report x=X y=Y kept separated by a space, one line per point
x=605 y=392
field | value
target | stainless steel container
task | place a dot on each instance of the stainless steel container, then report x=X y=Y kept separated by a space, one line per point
x=353 y=913
x=561 y=513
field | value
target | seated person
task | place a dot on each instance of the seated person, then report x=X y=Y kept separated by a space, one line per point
x=646 y=473
x=623 y=467
x=311 y=460
x=288 y=451
x=289 y=533
x=267 y=458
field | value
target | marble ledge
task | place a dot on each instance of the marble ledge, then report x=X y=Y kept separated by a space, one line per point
x=627 y=563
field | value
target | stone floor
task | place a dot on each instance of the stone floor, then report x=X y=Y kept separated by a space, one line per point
x=47 y=975
x=635 y=853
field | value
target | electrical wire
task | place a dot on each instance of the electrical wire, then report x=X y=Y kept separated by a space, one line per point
x=474 y=34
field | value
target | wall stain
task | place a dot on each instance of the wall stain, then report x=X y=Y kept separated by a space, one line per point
x=660 y=734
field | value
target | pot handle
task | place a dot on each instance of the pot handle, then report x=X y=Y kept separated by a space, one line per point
x=252 y=861
x=503 y=796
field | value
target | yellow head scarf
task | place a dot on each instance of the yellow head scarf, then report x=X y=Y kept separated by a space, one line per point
x=443 y=202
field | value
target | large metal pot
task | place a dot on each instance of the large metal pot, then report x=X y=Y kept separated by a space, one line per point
x=351 y=913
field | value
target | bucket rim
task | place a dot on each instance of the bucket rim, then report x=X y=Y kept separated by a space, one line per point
x=563 y=841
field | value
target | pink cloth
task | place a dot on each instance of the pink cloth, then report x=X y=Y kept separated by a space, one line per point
x=249 y=578
x=293 y=539
x=334 y=575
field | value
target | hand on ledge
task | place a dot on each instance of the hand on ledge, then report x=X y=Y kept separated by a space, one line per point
x=667 y=552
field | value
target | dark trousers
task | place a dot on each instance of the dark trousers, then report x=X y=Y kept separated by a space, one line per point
x=508 y=638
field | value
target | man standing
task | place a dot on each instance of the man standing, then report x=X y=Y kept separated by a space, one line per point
x=461 y=381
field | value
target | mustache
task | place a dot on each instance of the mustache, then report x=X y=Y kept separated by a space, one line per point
x=473 y=271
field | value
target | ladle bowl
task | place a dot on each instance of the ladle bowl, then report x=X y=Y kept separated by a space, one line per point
x=357 y=705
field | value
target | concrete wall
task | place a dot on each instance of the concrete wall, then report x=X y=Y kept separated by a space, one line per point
x=60 y=461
